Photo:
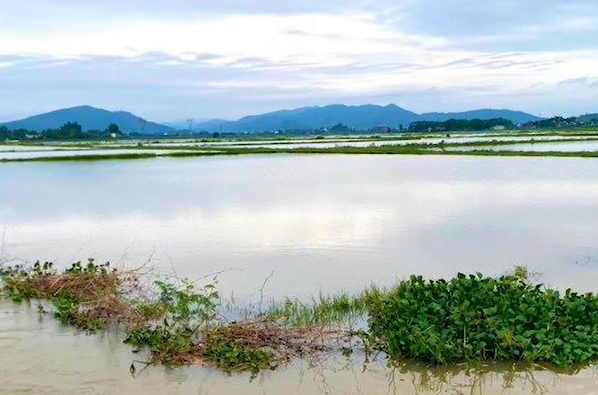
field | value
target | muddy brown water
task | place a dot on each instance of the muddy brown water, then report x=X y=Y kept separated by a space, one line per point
x=38 y=356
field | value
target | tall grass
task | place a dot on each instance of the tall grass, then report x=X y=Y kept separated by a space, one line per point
x=325 y=310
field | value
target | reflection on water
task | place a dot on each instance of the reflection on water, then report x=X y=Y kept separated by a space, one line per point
x=318 y=223
x=72 y=152
x=383 y=142
x=19 y=148
x=569 y=146
x=41 y=357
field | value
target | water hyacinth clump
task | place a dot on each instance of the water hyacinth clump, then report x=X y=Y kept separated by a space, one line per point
x=473 y=318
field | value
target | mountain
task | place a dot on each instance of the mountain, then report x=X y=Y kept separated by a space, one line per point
x=588 y=118
x=90 y=118
x=358 y=117
x=515 y=116
x=183 y=124
x=304 y=118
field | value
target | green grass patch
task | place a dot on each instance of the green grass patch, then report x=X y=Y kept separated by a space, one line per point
x=325 y=310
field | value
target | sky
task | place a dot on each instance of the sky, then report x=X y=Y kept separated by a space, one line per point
x=172 y=60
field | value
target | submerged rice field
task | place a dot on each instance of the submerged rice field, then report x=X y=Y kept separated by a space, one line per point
x=489 y=144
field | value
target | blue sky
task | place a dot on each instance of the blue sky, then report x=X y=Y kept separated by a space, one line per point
x=176 y=59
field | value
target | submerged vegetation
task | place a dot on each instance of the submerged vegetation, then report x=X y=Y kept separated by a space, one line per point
x=177 y=322
x=466 y=319
x=87 y=297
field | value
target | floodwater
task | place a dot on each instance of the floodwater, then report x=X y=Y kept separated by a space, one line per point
x=450 y=139
x=309 y=224
x=18 y=148
x=565 y=146
x=317 y=222
x=43 y=358
x=53 y=152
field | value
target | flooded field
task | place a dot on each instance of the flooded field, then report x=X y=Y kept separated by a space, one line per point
x=317 y=216
x=315 y=224
x=438 y=144
x=47 y=152
x=569 y=146
x=405 y=140
x=41 y=357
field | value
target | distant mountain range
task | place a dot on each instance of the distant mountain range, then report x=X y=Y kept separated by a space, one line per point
x=587 y=117
x=358 y=117
x=90 y=118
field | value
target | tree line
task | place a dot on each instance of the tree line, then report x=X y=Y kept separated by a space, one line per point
x=461 y=125
x=564 y=123
x=68 y=131
x=74 y=131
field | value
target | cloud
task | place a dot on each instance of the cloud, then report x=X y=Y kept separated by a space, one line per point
x=227 y=59
x=505 y=25
x=583 y=82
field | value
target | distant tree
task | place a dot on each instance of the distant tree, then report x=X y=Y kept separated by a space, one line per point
x=71 y=131
x=339 y=128
x=556 y=123
x=68 y=131
x=113 y=129
x=460 y=125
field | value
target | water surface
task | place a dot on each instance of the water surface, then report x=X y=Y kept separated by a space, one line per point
x=568 y=146
x=40 y=357
x=47 y=152
x=316 y=223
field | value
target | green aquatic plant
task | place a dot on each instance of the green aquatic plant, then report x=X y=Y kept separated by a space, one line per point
x=186 y=310
x=228 y=349
x=472 y=318
x=19 y=282
x=90 y=268
x=84 y=296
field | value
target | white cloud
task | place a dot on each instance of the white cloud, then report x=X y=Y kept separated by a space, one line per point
x=266 y=55
x=277 y=38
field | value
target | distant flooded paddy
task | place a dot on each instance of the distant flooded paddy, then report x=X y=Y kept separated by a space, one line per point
x=399 y=144
x=566 y=146
x=46 y=152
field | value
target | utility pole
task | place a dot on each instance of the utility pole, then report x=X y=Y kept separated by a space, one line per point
x=190 y=125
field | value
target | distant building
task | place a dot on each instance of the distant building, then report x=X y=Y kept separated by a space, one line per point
x=499 y=127
x=381 y=129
